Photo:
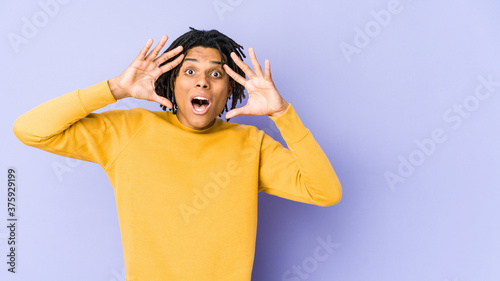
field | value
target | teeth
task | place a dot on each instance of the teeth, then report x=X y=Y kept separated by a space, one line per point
x=200 y=104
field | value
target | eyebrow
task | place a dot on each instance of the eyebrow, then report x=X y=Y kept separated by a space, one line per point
x=196 y=61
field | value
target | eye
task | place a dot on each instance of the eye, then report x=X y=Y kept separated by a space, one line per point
x=189 y=71
x=216 y=74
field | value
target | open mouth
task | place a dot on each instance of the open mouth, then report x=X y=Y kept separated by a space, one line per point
x=200 y=105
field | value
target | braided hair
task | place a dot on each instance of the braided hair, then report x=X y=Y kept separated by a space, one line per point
x=164 y=85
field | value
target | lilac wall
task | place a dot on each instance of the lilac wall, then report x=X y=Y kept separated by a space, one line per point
x=402 y=95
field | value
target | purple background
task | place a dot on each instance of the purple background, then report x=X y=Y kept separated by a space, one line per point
x=373 y=81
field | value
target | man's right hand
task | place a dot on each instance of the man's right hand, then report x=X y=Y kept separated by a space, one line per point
x=138 y=80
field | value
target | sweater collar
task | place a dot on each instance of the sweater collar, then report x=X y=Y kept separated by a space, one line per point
x=175 y=121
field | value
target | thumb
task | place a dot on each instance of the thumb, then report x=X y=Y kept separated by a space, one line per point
x=163 y=101
x=237 y=111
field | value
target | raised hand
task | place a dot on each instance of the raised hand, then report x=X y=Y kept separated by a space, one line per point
x=263 y=97
x=138 y=79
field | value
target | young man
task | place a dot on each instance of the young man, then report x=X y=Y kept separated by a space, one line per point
x=186 y=183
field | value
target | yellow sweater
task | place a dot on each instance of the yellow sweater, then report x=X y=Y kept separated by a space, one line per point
x=186 y=199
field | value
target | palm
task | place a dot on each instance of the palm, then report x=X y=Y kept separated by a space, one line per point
x=263 y=97
x=138 y=80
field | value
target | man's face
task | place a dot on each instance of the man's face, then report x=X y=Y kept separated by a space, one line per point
x=201 y=88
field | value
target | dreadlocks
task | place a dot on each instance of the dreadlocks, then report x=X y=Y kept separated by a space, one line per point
x=164 y=85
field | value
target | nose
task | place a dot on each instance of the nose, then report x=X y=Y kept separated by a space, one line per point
x=202 y=82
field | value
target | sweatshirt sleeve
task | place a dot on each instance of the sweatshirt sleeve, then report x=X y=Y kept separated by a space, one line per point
x=301 y=173
x=66 y=126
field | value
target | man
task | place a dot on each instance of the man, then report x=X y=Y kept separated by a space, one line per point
x=186 y=183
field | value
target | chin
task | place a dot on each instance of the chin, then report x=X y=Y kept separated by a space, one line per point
x=203 y=124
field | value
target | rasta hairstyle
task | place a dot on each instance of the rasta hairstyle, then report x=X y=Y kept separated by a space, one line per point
x=164 y=85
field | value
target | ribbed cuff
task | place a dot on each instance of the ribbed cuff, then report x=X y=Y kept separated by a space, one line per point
x=95 y=97
x=290 y=126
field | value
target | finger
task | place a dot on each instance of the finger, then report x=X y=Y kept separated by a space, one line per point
x=246 y=69
x=237 y=111
x=157 y=49
x=152 y=55
x=171 y=65
x=163 y=101
x=255 y=63
x=235 y=76
x=167 y=55
x=145 y=50
x=267 y=69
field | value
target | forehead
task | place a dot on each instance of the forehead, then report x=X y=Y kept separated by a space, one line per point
x=203 y=54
